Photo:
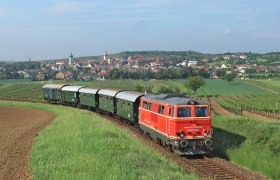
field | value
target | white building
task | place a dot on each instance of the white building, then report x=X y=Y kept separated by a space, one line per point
x=192 y=63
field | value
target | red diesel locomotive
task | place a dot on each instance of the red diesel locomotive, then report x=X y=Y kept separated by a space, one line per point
x=180 y=123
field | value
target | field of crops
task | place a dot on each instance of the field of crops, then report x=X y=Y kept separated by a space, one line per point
x=268 y=105
x=217 y=87
x=273 y=85
x=30 y=90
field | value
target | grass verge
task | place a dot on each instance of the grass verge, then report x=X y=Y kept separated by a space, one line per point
x=250 y=143
x=82 y=145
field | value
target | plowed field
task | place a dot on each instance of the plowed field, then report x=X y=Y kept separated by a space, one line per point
x=18 y=127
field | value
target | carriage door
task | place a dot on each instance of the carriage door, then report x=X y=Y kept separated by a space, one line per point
x=170 y=115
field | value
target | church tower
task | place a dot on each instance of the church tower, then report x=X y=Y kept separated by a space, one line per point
x=105 y=57
x=71 y=60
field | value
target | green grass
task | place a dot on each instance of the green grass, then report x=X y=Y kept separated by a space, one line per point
x=82 y=145
x=215 y=87
x=273 y=85
x=250 y=143
x=261 y=60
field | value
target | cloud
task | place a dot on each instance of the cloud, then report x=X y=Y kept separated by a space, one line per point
x=63 y=7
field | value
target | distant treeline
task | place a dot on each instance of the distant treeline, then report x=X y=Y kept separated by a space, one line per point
x=180 y=73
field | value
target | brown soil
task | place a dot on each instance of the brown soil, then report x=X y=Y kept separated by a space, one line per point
x=18 y=127
x=218 y=109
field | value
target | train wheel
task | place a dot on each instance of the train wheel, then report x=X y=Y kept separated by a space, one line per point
x=171 y=148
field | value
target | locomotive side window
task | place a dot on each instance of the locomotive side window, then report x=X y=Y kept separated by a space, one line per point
x=201 y=111
x=161 y=109
x=145 y=105
x=171 y=112
x=149 y=105
x=184 y=112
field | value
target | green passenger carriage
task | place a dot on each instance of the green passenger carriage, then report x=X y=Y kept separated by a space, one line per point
x=107 y=100
x=70 y=95
x=89 y=98
x=128 y=105
x=52 y=92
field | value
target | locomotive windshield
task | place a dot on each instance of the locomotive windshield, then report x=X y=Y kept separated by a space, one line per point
x=201 y=111
x=184 y=112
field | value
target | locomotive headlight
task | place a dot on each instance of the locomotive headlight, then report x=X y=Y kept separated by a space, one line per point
x=180 y=134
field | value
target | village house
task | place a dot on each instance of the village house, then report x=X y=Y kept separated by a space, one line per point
x=205 y=60
x=60 y=75
x=227 y=57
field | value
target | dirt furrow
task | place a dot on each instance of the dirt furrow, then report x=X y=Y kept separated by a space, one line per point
x=18 y=128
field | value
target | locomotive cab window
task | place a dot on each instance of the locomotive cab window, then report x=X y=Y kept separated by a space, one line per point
x=183 y=112
x=201 y=111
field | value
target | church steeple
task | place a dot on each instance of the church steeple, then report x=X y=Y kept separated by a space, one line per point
x=105 y=57
x=71 y=60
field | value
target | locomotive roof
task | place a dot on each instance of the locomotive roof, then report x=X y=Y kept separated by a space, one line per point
x=89 y=90
x=172 y=99
x=129 y=95
x=54 y=86
x=109 y=92
x=71 y=88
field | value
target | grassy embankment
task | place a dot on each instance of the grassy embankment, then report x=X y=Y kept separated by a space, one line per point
x=82 y=145
x=248 y=142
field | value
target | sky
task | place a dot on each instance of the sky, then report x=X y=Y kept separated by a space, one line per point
x=51 y=29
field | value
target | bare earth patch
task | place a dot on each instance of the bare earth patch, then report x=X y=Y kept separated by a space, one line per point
x=18 y=127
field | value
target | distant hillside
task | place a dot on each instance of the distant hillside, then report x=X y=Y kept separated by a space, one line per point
x=271 y=58
x=126 y=54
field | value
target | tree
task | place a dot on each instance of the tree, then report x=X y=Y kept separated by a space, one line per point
x=195 y=83
x=229 y=77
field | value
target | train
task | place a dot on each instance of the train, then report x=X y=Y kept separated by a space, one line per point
x=179 y=123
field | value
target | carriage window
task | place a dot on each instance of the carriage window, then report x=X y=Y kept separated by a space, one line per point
x=201 y=111
x=161 y=109
x=184 y=112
